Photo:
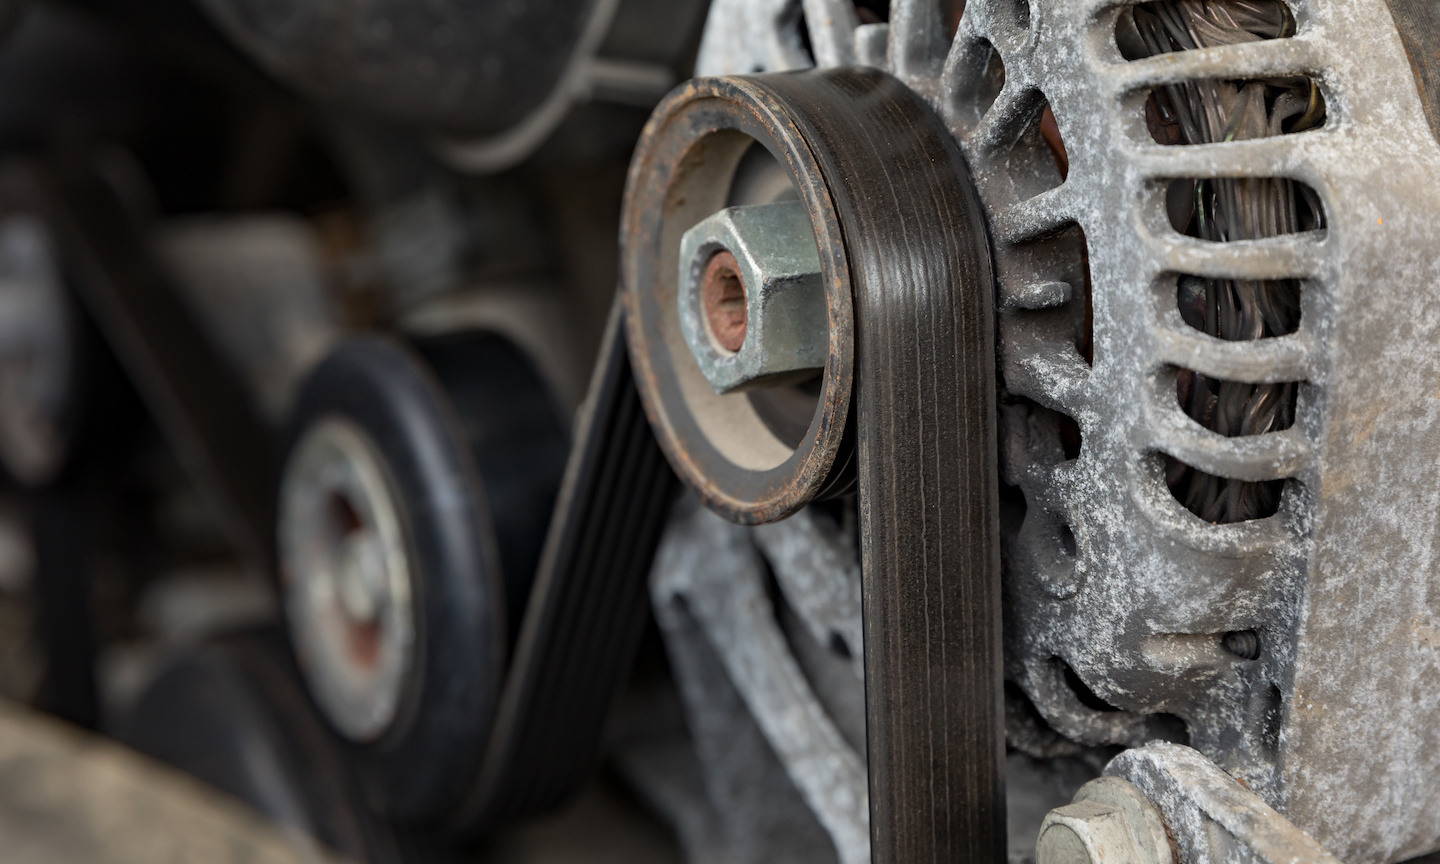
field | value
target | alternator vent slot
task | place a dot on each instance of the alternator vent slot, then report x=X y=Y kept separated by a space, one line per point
x=985 y=67
x=1166 y=26
x=1239 y=310
x=872 y=11
x=1229 y=209
x=1210 y=111
x=1236 y=408
x=1222 y=500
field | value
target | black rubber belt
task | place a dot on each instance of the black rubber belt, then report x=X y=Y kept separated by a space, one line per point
x=925 y=413
x=196 y=398
x=1418 y=22
x=588 y=608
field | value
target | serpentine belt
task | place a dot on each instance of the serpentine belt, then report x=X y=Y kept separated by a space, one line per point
x=924 y=406
x=588 y=607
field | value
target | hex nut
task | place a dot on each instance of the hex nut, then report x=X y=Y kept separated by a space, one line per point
x=784 y=332
x=1111 y=822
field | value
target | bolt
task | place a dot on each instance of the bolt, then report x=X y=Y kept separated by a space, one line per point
x=752 y=299
x=1244 y=644
x=1111 y=822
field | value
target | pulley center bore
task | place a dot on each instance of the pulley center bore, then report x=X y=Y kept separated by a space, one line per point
x=722 y=290
x=342 y=548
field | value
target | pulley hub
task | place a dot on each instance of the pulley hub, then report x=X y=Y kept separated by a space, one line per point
x=728 y=445
x=349 y=600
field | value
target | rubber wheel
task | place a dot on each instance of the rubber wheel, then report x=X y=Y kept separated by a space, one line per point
x=518 y=438
x=474 y=469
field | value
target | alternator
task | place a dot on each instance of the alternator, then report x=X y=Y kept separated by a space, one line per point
x=1219 y=424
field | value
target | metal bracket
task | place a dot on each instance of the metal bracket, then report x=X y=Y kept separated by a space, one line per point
x=1212 y=817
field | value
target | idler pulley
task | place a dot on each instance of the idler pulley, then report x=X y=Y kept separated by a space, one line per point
x=408 y=542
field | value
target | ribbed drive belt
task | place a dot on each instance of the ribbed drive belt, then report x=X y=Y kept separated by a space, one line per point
x=924 y=407
x=588 y=608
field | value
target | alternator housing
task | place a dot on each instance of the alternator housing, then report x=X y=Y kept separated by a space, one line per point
x=1119 y=601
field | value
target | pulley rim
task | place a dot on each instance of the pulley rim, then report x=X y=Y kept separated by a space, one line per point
x=700 y=130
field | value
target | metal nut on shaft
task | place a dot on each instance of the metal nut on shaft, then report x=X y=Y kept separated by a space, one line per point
x=751 y=299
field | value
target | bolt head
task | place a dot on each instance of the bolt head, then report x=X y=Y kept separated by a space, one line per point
x=1111 y=822
x=751 y=297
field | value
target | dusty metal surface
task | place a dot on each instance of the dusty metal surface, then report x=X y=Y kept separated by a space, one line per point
x=709 y=592
x=1110 y=821
x=1108 y=575
x=816 y=564
x=1209 y=816
x=69 y=797
x=766 y=674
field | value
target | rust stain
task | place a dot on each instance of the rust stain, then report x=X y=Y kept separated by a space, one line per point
x=1367 y=420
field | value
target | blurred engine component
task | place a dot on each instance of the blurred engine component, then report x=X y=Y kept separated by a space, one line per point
x=409 y=532
x=42 y=350
x=234 y=714
x=495 y=78
x=105 y=803
x=255 y=284
x=36 y=384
